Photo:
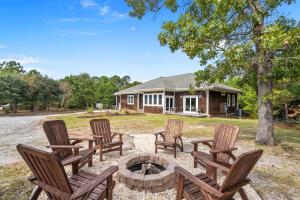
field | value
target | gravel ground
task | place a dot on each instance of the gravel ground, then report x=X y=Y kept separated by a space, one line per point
x=21 y=129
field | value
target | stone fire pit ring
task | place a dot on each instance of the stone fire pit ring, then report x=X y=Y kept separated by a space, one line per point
x=151 y=182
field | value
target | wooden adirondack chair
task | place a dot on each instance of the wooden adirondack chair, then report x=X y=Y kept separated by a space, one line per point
x=104 y=137
x=67 y=152
x=171 y=136
x=221 y=148
x=202 y=187
x=50 y=176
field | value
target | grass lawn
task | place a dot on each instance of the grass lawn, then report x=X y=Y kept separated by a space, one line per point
x=277 y=174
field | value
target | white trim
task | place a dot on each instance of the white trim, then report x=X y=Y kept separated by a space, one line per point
x=128 y=99
x=173 y=103
x=233 y=102
x=190 y=97
x=164 y=103
x=228 y=100
x=207 y=102
x=152 y=99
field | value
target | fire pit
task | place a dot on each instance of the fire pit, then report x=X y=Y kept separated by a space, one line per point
x=147 y=172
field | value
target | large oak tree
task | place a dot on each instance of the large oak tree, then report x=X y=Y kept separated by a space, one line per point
x=230 y=37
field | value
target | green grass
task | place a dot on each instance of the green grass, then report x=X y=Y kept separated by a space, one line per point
x=14 y=183
x=193 y=126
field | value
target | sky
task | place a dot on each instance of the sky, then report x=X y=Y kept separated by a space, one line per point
x=64 y=37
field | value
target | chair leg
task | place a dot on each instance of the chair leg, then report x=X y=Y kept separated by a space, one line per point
x=174 y=151
x=243 y=194
x=109 y=188
x=90 y=164
x=155 y=149
x=120 y=150
x=195 y=163
x=100 y=154
x=179 y=187
x=35 y=193
x=181 y=144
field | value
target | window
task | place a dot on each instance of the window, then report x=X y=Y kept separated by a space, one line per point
x=130 y=99
x=228 y=100
x=160 y=99
x=233 y=100
x=155 y=99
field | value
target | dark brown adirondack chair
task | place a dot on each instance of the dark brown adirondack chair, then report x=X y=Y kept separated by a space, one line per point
x=221 y=148
x=202 y=187
x=171 y=136
x=104 y=137
x=67 y=152
x=50 y=176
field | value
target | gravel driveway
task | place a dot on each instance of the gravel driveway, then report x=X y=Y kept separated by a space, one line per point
x=21 y=129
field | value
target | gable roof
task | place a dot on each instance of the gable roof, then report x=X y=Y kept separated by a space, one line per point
x=176 y=83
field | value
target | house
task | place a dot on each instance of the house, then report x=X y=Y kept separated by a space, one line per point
x=173 y=94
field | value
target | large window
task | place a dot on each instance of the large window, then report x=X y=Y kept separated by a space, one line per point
x=153 y=99
x=233 y=100
x=228 y=100
x=130 y=99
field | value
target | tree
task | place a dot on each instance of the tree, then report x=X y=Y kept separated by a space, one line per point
x=33 y=79
x=11 y=67
x=240 y=37
x=12 y=90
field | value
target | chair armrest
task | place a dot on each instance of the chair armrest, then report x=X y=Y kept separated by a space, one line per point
x=179 y=135
x=214 y=164
x=197 y=181
x=201 y=141
x=98 y=180
x=226 y=151
x=65 y=146
x=222 y=150
x=204 y=142
x=159 y=132
x=83 y=139
x=115 y=133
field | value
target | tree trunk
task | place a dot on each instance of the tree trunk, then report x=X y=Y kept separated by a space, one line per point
x=14 y=107
x=263 y=64
x=286 y=112
x=265 y=132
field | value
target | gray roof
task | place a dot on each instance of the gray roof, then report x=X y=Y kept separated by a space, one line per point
x=176 y=83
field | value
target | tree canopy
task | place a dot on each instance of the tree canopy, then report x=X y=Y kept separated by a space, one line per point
x=231 y=38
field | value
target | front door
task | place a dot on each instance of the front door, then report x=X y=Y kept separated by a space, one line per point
x=169 y=103
x=190 y=104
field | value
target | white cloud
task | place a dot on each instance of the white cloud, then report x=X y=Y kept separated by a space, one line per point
x=118 y=15
x=133 y=28
x=88 y=3
x=74 y=19
x=104 y=10
x=2 y=46
x=24 y=60
x=83 y=32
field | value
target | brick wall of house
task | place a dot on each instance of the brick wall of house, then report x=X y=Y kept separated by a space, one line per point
x=153 y=109
x=217 y=101
x=124 y=104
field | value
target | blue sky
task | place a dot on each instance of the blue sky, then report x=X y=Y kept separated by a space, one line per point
x=63 y=37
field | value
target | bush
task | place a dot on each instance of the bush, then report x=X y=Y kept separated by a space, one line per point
x=90 y=110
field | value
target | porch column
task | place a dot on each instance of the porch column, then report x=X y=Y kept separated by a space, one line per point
x=138 y=102
x=207 y=102
x=164 y=102
x=120 y=103
x=117 y=106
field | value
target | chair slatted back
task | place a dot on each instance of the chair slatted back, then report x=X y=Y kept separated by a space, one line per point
x=101 y=127
x=224 y=138
x=57 y=134
x=241 y=169
x=47 y=169
x=172 y=128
